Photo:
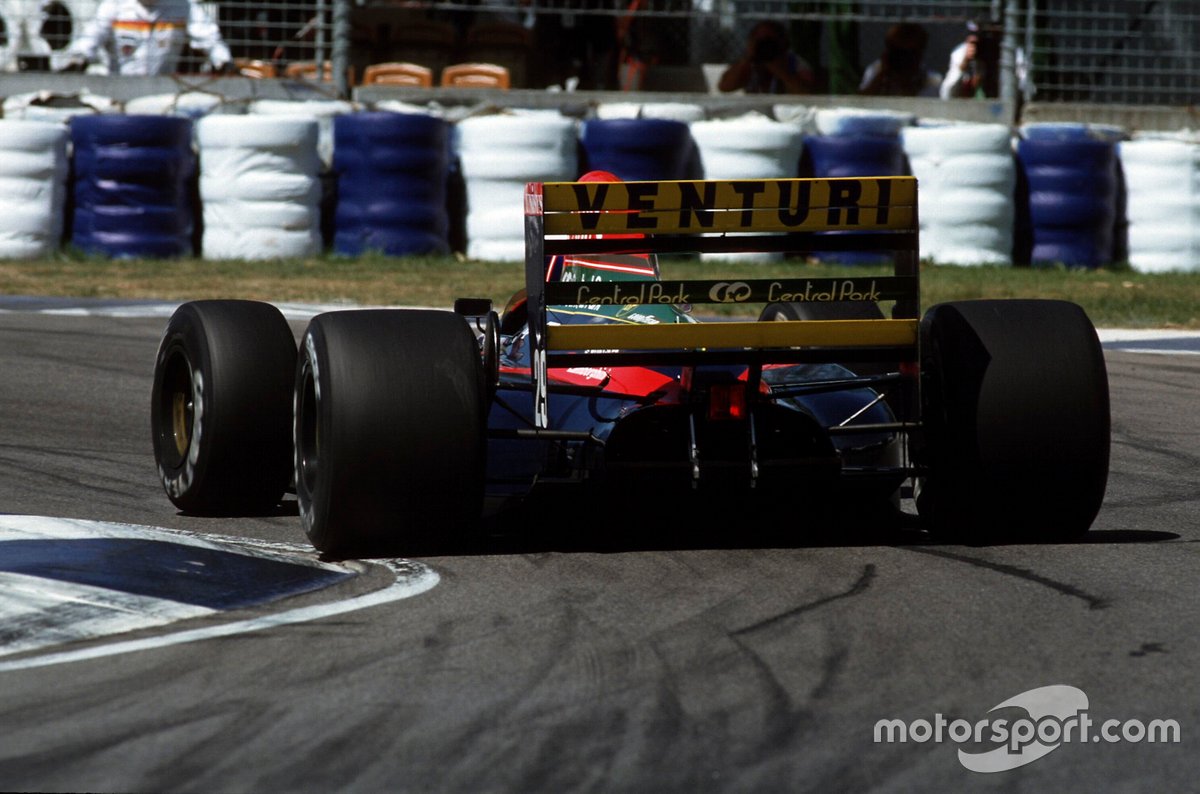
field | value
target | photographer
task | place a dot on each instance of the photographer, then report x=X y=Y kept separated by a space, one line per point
x=769 y=66
x=973 y=70
x=901 y=70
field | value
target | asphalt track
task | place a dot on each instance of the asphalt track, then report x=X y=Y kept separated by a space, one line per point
x=692 y=657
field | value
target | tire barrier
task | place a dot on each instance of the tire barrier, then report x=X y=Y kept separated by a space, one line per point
x=967 y=176
x=260 y=187
x=674 y=111
x=322 y=110
x=1067 y=196
x=1162 y=182
x=854 y=122
x=33 y=173
x=498 y=154
x=51 y=106
x=189 y=104
x=133 y=185
x=640 y=149
x=858 y=144
x=749 y=147
x=391 y=171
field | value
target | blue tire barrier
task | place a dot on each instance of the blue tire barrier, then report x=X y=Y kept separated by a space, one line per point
x=1068 y=194
x=392 y=171
x=640 y=149
x=1071 y=131
x=133 y=186
x=850 y=156
x=862 y=155
x=854 y=122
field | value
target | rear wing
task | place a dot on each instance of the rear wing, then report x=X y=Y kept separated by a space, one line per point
x=731 y=216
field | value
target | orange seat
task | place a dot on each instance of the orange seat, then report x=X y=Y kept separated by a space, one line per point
x=257 y=69
x=307 y=70
x=475 y=75
x=398 y=74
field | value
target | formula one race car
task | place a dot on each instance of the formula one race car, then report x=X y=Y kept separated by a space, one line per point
x=397 y=427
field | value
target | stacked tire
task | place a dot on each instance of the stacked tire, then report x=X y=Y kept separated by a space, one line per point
x=676 y=111
x=33 y=173
x=749 y=147
x=260 y=187
x=323 y=111
x=133 y=185
x=1162 y=181
x=640 y=149
x=190 y=104
x=1069 y=196
x=391 y=171
x=968 y=177
x=498 y=154
x=853 y=143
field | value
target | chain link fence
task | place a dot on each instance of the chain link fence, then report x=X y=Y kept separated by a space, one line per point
x=1133 y=52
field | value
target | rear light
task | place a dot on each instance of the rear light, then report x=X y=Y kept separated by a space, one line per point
x=727 y=401
x=910 y=369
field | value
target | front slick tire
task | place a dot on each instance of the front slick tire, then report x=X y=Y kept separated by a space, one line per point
x=221 y=409
x=1016 y=411
x=389 y=428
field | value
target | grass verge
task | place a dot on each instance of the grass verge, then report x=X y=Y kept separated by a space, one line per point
x=1112 y=298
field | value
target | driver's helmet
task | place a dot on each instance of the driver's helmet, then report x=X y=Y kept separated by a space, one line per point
x=604 y=267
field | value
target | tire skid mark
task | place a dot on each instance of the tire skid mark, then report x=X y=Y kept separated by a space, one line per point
x=1093 y=602
x=778 y=722
x=38 y=473
x=860 y=586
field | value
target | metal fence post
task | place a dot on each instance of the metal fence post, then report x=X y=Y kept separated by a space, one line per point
x=341 y=48
x=1008 y=52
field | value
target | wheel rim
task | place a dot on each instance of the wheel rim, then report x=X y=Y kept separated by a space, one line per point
x=178 y=406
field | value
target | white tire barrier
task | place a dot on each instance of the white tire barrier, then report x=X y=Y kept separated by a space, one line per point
x=260 y=187
x=967 y=176
x=321 y=110
x=749 y=147
x=51 y=106
x=189 y=104
x=498 y=155
x=33 y=187
x=1162 y=184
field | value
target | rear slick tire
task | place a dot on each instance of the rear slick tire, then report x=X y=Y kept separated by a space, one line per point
x=390 y=432
x=1016 y=410
x=221 y=408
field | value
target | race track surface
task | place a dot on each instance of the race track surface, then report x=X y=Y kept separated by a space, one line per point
x=688 y=657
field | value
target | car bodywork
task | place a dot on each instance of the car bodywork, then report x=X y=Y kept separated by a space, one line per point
x=609 y=380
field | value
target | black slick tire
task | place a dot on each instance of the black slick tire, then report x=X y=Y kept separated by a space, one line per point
x=389 y=428
x=1016 y=411
x=221 y=407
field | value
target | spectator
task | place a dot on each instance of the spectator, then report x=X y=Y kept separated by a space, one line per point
x=901 y=70
x=974 y=68
x=769 y=65
x=146 y=37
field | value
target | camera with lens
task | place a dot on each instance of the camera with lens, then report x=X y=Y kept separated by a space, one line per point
x=766 y=50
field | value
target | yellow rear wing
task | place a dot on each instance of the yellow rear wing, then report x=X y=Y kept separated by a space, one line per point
x=728 y=216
